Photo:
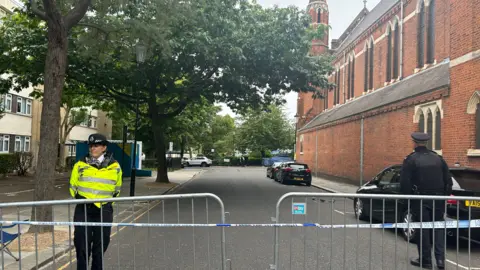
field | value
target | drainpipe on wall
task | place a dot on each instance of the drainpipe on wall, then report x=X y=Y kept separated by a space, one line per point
x=316 y=153
x=401 y=38
x=361 y=151
x=343 y=81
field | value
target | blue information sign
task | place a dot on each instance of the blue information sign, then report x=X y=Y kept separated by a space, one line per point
x=299 y=209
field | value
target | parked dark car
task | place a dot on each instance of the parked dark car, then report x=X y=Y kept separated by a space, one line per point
x=272 y=168
x=293 y=172
x=466 y=182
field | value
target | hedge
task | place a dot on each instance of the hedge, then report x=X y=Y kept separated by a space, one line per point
x=7 y=163
x=235 y=161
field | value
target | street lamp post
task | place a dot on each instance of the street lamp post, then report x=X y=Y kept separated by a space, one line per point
x=140 y=51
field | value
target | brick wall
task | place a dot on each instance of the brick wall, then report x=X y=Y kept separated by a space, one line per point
x=386 y=140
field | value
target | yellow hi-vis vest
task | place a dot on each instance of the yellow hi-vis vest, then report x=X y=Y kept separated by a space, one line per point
x=94 y=183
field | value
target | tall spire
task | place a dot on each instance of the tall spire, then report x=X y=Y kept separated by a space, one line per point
x=364 y=3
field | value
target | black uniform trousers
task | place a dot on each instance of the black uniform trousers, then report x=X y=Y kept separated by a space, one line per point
x=424 y=237
x=88 y=239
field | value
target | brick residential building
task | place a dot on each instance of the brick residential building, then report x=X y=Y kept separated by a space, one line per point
x=404 y=66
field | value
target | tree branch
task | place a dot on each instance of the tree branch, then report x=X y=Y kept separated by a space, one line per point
x=76 y=14
x=181 y=107
x=92 y=25
x=34 y=8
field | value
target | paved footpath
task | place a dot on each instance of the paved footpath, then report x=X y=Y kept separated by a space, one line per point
x=250 y=197
x=41 y=257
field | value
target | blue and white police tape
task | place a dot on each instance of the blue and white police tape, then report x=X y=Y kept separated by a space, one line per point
x=462 y=224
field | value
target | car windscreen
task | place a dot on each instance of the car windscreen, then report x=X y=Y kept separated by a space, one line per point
x=298 y=166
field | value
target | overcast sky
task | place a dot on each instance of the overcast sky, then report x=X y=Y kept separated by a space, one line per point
x=342 y=12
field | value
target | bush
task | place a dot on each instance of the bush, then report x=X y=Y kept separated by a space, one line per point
x=23 y=162
x=7 y=163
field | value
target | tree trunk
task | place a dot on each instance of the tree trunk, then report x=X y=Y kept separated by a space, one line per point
x=182 y=146
x=162 y=174
x=190 y=152
x=55 y=67
x=61 y=159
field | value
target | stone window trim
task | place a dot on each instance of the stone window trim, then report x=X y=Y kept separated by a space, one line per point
x=472 y=109
x=301 y=144
x=432 y=108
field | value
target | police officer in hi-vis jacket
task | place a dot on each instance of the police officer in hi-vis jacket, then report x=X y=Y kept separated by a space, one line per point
x=96 y=176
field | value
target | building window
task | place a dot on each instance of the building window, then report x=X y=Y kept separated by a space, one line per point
x=429 y=117
x=4 y=143
x=319 y=15
x=352 y=76
x=22 y=144
x=349 y=82
x=431 y=33
x=336 y=94
x=438 y=131
x=421 y=123
x=301 y=144
x=365 y=82
x=421 y=35
x=429 y=130
x=20 y=105
x=92 y=122
x=389 y=55
x=28 y=109
x=24 y=106
x=477 y=128
x=325 y=100
x=473 y=108
x=6 y=102
x=370 y=63
x=396 y=50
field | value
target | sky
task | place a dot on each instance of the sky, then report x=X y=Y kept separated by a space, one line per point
x=342 y=12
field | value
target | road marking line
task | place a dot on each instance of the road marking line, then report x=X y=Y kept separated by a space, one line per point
x=24 y=191
x=461 y=266
x=341 y=213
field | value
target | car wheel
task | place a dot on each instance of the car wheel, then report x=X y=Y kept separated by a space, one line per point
x=309 y=184
x=408 y=233
x=204 y=164
x=359 y=208
x=187 y=164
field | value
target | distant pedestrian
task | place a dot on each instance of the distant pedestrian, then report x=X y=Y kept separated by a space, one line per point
x=96 y=176
x=424 y=172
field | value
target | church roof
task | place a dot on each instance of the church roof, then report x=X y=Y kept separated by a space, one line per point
x=376 y=13
x=421 y=83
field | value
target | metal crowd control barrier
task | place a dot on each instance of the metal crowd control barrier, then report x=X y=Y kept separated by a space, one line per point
x=148 y=232
x=362 y=231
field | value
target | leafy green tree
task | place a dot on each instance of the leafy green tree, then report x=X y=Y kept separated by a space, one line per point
x=218 y=136
x=265 y=130
x=230 y=51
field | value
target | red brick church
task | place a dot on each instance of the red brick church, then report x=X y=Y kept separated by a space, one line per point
x=404 y=66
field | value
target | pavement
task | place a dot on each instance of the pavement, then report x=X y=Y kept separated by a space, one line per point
x=250 y=198
x=37 y=257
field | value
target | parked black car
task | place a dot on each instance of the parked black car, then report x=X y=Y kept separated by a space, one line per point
x=290 y=172
x=466 y=182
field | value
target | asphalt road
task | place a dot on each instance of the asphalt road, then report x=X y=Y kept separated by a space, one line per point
x=250 y=197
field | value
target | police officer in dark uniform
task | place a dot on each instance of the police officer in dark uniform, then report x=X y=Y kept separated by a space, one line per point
x=424 y=172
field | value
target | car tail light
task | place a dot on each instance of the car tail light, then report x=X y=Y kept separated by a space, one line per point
x=308 y=171
x=288 y=169
x=452 y=201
